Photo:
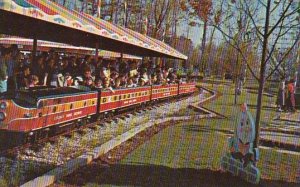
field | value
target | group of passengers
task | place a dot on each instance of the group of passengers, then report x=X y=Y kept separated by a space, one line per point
x=50 y=69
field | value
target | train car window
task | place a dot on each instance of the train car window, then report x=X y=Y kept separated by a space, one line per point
x=71 y=106
x=58 y=101
x=124 y=96
x=128 y=96
x=115 y=98
x=104 y=100
x=140 y=93
x=136 y=94
x=85 y=103
x=132 y=95
x=54 y=109
x=93 y=102
x=120 y=97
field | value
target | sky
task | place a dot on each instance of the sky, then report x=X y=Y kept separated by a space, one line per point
x=195 y=33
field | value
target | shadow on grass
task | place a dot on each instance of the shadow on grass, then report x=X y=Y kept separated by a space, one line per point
x=155 y=175
x=197 y=128
x=263 y=107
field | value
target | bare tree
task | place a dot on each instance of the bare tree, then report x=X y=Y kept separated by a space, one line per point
x=280 y=17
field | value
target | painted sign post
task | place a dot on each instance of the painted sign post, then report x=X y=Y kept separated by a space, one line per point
x=241 y=158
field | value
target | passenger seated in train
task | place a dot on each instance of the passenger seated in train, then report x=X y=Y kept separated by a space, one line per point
x=23 y=77
x=172 y=77
x=33 y=81
x=98 y=83
x=106 y=85
x=123 y=79
x=142 y=82
x=68 y=80
x=88 y=79
x=52 y=73
x=130 y=83
x=117 y=83
x=105 y=70
x=144 y=76
x=69 y=71
x=39 y=69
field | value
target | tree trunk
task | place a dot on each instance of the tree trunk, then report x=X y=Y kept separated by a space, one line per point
x=262 y=74
x=236 y=79
x=209 y=49
x=203 y=46
x=115 y=11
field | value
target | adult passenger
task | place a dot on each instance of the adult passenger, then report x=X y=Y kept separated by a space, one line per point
x=23 y=77
x=3 y=71
x=12 y=64
x=33 y=81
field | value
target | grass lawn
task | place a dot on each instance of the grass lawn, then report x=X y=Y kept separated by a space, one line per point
x=195 y=148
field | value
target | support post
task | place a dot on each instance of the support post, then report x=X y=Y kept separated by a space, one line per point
x=121 y=57
x=97 y=51
x=34 y=49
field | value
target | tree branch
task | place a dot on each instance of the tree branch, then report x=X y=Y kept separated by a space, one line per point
x=252 y=19
x=281 y=18
x=274 y=45
x=237 y=47
x=275 y=7
x=285 y=55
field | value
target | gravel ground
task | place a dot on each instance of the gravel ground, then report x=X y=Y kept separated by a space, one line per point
x=33 y=162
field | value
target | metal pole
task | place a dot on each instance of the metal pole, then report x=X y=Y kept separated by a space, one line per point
x=121 y=56
x=97 y=51
x=34 y=48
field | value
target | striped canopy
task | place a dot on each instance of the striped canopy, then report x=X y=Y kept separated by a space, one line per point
x=26 y=45
x=44 y=19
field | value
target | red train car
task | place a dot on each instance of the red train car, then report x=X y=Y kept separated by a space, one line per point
x=123 y=98
x=186 y=88
x=160 y=91
x=28 y=111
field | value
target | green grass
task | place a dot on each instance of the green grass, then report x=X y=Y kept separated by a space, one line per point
x=201 y=144
x=225 y=105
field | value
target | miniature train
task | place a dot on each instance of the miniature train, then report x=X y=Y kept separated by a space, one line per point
x=34 y=114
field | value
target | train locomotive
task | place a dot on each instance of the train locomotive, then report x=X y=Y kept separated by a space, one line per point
x=36 y=113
